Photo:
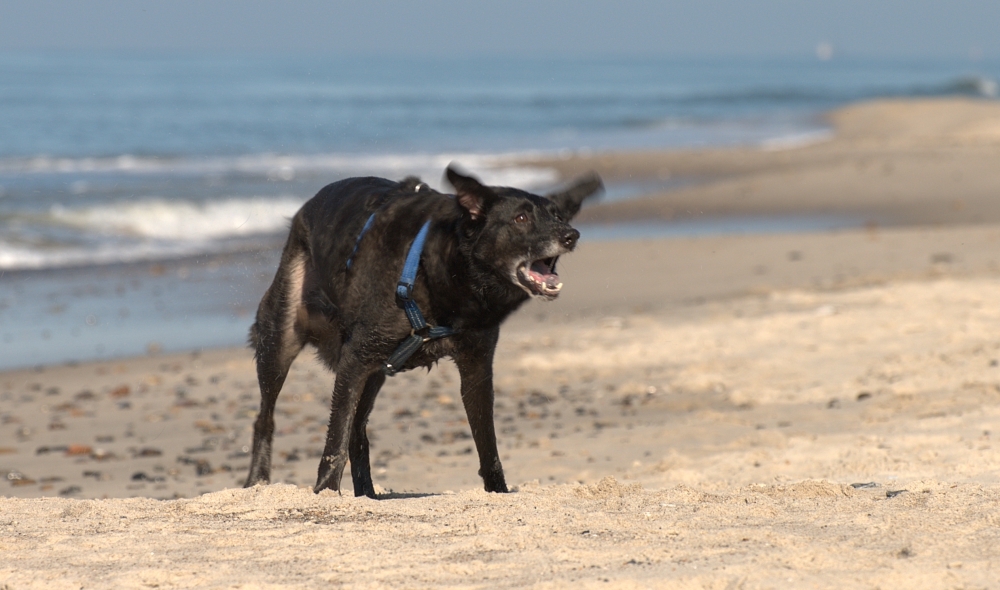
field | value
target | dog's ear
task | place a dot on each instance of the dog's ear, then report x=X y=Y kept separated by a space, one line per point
x=470 y=193
x=570 y=199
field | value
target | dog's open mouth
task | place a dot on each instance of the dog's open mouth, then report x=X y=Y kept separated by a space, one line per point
x=539 y=277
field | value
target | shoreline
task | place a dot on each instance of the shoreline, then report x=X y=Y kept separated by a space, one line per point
x=665 y=274
x=908 y=165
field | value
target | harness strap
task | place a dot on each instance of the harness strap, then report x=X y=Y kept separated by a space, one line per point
x=410 y=346
x=357 y=242
x=421 y=332
x=404 y=288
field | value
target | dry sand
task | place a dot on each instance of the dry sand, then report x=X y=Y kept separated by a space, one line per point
x=721 y=412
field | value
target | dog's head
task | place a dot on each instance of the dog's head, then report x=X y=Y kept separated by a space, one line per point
x=517 y=235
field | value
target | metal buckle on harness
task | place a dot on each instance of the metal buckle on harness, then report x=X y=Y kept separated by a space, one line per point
x=404 y=293
x=424 y=333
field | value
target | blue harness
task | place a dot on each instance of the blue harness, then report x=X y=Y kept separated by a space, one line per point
x=421 y=331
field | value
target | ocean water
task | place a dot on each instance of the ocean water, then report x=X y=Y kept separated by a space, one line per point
x=123 y=177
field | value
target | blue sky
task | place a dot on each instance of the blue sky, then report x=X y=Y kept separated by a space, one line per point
x=889 y=28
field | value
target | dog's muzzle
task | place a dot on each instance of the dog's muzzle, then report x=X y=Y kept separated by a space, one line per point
x=538 y=277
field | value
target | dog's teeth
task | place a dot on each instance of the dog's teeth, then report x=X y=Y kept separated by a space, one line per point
x=557 y=287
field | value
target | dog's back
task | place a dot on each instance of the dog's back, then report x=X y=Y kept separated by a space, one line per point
x=313 y=284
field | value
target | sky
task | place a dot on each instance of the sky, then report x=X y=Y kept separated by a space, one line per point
x=553 y=28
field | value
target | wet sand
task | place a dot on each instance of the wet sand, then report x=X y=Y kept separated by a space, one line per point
x=795 y=410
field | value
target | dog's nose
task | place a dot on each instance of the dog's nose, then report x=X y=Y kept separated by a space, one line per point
x=570 y=237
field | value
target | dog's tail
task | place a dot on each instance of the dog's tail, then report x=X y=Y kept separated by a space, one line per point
x=273 y=312
x=253 y=339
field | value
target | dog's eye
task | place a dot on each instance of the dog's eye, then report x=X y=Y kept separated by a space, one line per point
x=521 y=218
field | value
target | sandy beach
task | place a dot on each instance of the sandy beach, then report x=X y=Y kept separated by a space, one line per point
x=810 y=410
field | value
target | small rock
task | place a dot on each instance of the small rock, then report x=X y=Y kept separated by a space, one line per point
x=102 y=455
x=75 y=450
x=143 y=476
x=537 y=398
x=202 y=467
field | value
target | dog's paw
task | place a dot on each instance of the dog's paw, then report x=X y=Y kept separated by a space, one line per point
x=496 y=485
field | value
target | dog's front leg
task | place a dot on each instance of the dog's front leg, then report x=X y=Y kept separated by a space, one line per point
x=361 y=470
x=476 y=371
x=351 y=378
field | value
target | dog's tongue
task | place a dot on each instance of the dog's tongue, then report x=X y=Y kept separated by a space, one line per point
x=543 y=274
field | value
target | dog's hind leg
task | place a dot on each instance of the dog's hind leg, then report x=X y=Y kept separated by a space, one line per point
x=361 y=470
x=277 y=338
x=352 y=377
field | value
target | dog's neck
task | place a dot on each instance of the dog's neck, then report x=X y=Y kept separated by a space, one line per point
x=471 y=285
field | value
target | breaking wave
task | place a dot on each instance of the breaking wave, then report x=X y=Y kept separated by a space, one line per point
x=141 y=230
x=180 y=220
x=75 y=231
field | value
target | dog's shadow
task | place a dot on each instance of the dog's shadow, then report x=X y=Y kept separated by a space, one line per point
x=404 y=495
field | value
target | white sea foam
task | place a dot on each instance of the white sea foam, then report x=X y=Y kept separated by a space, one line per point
x=796 y=140
x=233 y=217
x=154 y=228
x=19 y=257
x=182 y=220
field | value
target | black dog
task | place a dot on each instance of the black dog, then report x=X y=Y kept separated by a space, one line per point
x=339 y=288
